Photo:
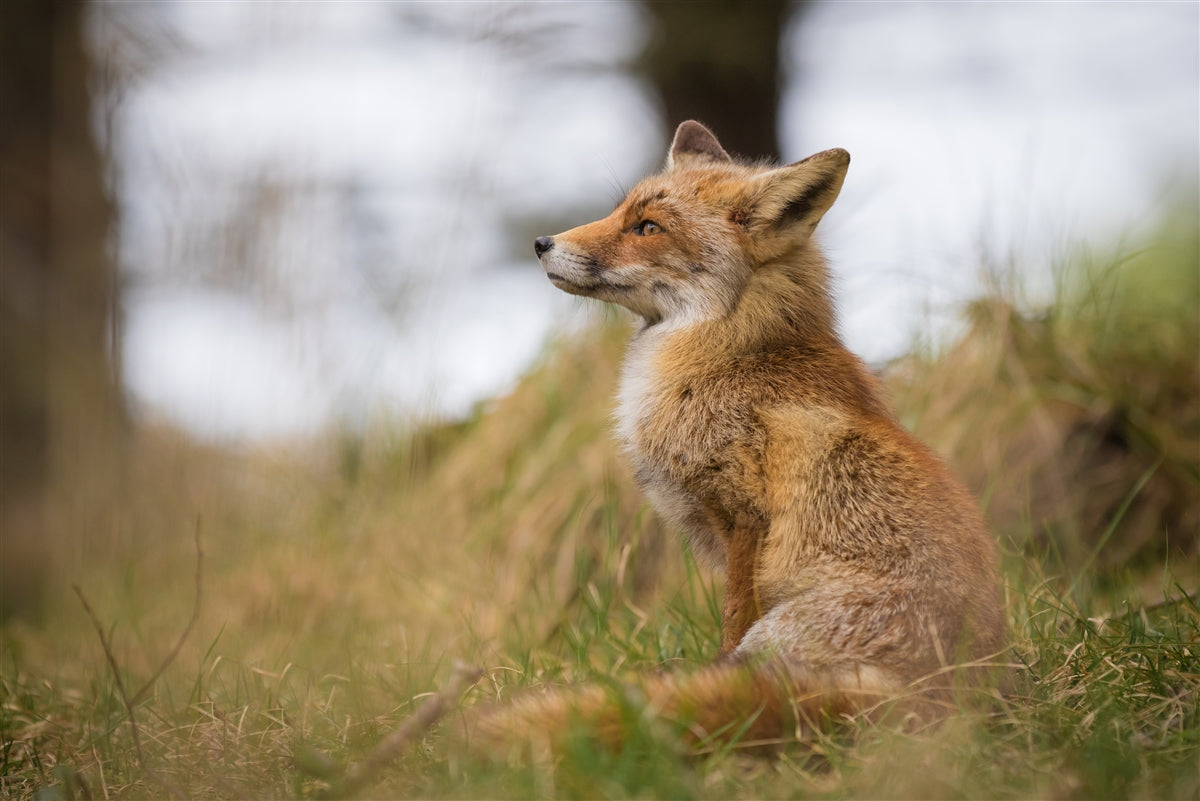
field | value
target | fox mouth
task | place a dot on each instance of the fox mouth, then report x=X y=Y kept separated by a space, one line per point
x=575 y=288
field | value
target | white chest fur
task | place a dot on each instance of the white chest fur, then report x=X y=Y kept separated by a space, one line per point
x=638 y=384
x=641 y=392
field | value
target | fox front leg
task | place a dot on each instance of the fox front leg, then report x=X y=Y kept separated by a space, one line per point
x=742 y=609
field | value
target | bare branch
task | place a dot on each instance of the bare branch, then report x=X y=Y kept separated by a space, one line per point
x=116 y=671
x=140 y=694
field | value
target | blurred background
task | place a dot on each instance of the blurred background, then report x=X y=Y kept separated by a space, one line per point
x=267 y=291
x=256 y=222
x=321 y=212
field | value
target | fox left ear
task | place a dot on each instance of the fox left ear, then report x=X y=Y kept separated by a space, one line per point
x=796 y=197
x=693 y=145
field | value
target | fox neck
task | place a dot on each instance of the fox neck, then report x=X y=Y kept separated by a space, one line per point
x=784 y=303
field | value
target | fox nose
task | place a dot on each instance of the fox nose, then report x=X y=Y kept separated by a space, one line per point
x=542 y=244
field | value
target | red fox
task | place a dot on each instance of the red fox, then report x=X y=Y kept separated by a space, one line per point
x=857 y=567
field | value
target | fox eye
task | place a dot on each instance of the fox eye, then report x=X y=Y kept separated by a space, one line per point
x=646 y=228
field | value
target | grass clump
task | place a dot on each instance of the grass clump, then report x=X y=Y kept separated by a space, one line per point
x=1076 y=419
x=342 y=580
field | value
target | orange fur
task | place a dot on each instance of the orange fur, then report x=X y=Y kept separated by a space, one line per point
x=855 y=561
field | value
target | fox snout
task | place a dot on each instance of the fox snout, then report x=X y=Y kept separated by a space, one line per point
x=561 y=268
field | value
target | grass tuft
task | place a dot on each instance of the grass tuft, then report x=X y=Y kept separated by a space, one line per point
x=1075 y=419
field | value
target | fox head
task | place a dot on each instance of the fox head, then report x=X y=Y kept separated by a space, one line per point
x=684 y=245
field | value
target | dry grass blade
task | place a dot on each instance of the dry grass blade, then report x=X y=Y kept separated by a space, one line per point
x=130 y=702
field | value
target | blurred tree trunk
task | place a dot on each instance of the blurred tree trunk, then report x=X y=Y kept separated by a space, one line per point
x=717 y=61
x=61 y=413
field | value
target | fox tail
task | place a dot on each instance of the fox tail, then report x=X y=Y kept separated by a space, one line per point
x=746 y=703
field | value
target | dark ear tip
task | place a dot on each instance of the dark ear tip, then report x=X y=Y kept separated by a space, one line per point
x=836 y=155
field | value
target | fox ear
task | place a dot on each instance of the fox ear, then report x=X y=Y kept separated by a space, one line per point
x=693 y=145
x=795 y=197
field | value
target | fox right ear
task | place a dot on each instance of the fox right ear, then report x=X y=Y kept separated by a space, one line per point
x=795 y=197
x=693 y=146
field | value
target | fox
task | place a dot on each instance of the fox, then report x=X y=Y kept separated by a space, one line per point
x=857 y=567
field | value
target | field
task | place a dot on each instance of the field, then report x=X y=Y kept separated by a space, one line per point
x=302 y=603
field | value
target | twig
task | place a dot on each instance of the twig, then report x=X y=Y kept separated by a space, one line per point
x=140 y=694
x=1183 y=597
x=131 y=702
x=116 y=671
x=431 y=710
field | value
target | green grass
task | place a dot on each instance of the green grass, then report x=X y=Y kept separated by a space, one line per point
x=341 y=580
